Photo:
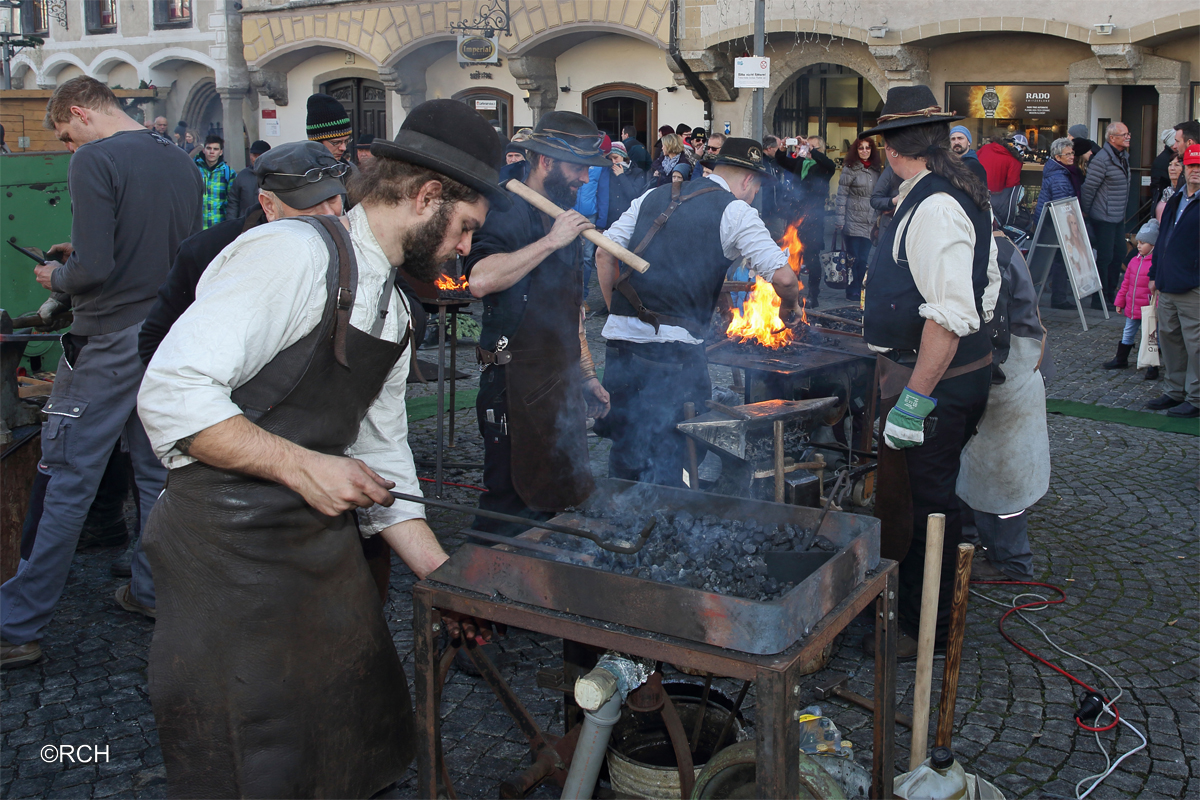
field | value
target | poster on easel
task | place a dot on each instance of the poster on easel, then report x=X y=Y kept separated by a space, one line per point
x=1061 y=233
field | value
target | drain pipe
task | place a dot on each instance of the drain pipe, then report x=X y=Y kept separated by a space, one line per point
x=600 y=694
x=688 y=75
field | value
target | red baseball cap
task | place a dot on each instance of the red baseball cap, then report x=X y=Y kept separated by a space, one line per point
x=1191 y=155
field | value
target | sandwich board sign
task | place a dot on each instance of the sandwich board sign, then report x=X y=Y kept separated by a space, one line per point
x=752 y=73
x=1061 y=233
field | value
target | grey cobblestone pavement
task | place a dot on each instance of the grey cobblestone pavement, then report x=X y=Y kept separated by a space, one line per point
x=1118 y=530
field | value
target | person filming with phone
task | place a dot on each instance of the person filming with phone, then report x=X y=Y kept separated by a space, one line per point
x=805 y=158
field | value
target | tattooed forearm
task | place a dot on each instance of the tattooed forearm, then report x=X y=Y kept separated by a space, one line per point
x=184 y=445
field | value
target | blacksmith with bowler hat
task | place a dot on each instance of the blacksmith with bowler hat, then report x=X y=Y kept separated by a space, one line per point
x=930 y=291
x=277 y=400
x=538 y=384
x=655 y=361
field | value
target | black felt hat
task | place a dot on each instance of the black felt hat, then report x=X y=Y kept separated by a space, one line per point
x=365 y=140
x=450 y=137
x=327 y=118
x=738 y=152
x=907 y=106
x=567 y=136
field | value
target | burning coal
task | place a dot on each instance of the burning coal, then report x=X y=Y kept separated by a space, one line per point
x=758 y=319
x=445 y=283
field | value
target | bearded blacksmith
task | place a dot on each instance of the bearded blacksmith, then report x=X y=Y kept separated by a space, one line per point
x=277 y=402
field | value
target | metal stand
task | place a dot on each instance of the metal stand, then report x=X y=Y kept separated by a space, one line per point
x=445 y=426
x=776 y=676
x=441 y=410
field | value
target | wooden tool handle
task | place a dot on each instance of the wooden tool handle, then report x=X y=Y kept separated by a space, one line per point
x=935 y=529
x=954 y=645
x=594 y=236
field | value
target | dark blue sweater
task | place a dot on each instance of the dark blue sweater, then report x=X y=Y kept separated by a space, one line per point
x=1176 y=267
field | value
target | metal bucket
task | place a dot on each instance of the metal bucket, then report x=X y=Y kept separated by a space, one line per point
x=641 y=762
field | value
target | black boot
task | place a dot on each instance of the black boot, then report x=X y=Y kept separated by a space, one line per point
x=1151 y=374
x=1121 y=359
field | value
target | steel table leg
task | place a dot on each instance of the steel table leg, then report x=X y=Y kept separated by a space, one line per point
x=778 y=770
x=427 y=720
x=441 y=399
x=887 y=632
x=453 y=373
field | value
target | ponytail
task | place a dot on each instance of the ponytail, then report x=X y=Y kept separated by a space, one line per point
x=931 y=141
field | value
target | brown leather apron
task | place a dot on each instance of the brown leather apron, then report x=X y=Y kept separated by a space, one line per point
x=272 y=670
x=547 y=415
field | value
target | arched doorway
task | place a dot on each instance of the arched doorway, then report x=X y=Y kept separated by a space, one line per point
x=493 y=105
x=615 y=105
x=830 y=101
x=365 y=102
x=202 y=110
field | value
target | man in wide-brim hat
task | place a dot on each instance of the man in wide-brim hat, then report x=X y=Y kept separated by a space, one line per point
x=277 y=402
x=655 y=361
x=930 y=291
x=538 y=385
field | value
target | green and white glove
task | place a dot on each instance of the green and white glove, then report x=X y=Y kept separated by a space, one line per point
x=906 y=421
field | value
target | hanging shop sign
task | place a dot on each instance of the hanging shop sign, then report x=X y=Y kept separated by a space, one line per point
x=752 y=73
x=1008 y=101
x=478 y=50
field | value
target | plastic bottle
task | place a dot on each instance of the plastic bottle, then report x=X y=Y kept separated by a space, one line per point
x=940 y=777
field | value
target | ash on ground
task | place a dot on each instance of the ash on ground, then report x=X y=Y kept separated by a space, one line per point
x=707 y=553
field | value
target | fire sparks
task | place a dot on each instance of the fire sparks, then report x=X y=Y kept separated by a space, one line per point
x=758 y=319
x=447 y=284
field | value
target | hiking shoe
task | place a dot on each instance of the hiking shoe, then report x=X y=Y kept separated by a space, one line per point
x=13 y=656
x=1163 y=402
x=1185 y=410
x=124 y=598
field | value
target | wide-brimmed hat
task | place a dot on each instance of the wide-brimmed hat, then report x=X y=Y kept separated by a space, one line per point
x=738 y=152
x=567 y=136
x=450 y=137
x=301 y=174
x=906 y=106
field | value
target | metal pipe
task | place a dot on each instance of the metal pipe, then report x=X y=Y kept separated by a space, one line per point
x=760 y=38
x=589 y=753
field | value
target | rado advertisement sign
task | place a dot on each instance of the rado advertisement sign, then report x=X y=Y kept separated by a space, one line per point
x=1008 y=101
x=478 y=50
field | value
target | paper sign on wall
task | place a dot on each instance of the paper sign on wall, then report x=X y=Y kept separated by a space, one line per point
x=752 y=73
x=270 y=127
x=485 y=105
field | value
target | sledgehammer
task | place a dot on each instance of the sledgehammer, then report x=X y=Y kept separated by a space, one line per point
x=836 y=687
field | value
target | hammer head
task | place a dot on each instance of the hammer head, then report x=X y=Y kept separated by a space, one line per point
x=829 y=687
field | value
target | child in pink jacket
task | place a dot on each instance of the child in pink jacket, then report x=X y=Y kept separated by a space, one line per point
x=1135 y=293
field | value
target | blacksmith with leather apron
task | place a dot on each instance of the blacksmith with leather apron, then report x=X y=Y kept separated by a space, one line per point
x=930 y=291
x=655 y=362
x=277 y=402
x=538 y=385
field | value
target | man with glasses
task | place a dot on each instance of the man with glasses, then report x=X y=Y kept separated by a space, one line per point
x=715 y=142
x=1103 y=198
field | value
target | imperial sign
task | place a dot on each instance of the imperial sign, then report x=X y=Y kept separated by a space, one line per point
x=478 y=50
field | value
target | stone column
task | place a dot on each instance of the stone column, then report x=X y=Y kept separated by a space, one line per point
x=1172 y=105
x=1079 y=104
x=232 y=120
x=539 y=77
x=903 y=65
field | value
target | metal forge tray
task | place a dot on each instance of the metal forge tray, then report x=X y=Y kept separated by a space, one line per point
x=736 y=623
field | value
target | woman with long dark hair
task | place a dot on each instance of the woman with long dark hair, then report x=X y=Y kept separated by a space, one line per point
x=855 y=216
x=930 y=291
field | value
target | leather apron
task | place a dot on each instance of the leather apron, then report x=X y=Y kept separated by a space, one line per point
x=272 y=670
x=547 y=414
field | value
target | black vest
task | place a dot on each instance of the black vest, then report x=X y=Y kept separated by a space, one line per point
x=687 y=262
x=891 y=316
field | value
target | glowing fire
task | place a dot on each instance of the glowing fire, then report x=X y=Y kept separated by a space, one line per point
x=448 y=284
x=758 y=318
x=790 y=243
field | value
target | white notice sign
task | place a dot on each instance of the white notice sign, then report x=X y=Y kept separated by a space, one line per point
x=270 y=127
x=752 y=73
x=485 y=105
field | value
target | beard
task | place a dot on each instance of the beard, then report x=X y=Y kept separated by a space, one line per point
x=959 y=149
x=422 y=259
x=559 y=188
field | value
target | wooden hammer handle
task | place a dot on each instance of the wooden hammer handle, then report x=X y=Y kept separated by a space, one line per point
x=592 y=235
x=935 y=529
x=954 y=645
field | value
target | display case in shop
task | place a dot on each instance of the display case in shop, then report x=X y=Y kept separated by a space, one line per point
x=1037 y=111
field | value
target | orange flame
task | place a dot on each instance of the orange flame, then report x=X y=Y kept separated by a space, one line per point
x=448 y=284
x=758 y=318
x=790 y=243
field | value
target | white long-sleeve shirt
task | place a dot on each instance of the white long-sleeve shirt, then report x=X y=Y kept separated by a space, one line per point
x=743 y=235
x=260 y=295
x=941 y=250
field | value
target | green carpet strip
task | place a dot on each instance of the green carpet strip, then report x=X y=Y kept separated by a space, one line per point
x=1139 y=419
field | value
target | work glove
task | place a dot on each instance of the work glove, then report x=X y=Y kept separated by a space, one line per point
x=906 y=421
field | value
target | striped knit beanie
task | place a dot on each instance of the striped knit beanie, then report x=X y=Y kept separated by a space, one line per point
x=327 y=119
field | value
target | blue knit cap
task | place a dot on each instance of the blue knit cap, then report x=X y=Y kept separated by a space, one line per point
x=963 y=131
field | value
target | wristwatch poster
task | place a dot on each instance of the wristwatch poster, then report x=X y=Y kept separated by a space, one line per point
x=990 y=101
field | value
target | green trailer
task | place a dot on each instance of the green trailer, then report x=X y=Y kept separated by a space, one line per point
x=35 y=211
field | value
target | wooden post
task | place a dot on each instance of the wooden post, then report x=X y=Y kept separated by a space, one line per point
x=779 y=473
x=954 y=645
x=935 y=529
x=689 y=412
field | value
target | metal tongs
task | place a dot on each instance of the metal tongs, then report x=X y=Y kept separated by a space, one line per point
x=623 y=549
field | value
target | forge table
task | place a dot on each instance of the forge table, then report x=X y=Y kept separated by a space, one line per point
x=776 y=677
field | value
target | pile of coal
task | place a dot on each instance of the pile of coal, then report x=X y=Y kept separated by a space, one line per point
x=708 y=553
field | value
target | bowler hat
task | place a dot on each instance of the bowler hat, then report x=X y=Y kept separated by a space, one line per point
x=450 y=137
x=301 y=174
x=906 y=106
x=738 y=152
x=567 y=136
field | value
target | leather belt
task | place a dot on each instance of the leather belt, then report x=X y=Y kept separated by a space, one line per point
x=487 y=358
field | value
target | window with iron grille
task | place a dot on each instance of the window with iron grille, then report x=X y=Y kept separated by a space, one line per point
x=100 y=16
x=172 y=13
x=35 y=17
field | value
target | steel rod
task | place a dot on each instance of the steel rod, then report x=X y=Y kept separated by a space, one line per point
x=737 y=706
x=689 y=412
x=441 y=401
x=643 y=537
x=453 y=373
x=699 y=724
x=525 y=544
x=779 y=473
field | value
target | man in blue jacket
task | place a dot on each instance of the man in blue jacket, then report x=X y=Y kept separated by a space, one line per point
x=1175 y=274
